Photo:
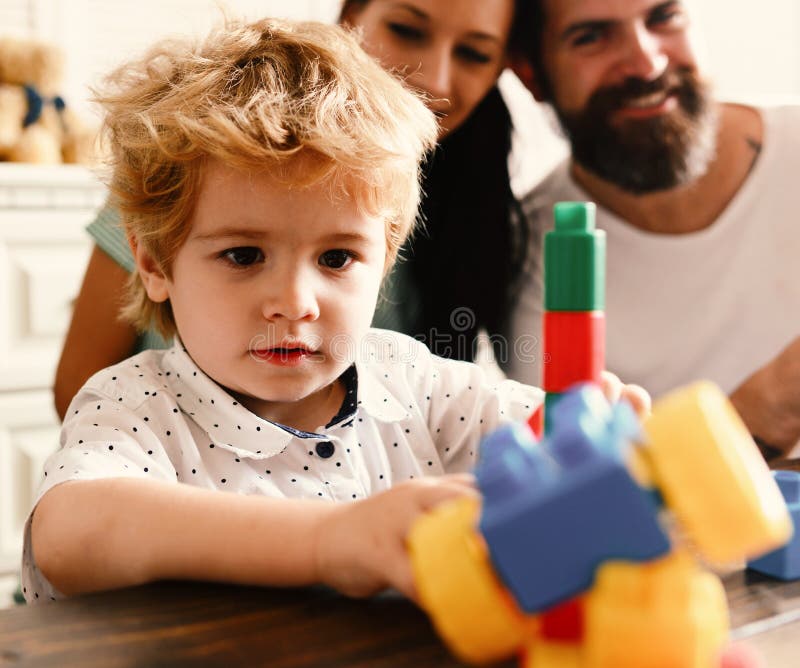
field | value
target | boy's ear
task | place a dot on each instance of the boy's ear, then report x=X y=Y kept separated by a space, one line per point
x=526 y=74
x=153 y=278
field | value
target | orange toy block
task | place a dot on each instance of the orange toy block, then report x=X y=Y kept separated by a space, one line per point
x=458 y=589
x=709 y=471
x=667 y=613
x=551 y=654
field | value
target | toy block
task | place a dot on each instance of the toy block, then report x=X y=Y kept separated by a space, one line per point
x=564 y=622
x=510 y=456
x=551 y=654
x=608 y=429
x=663 y=614
x=574 y=260
x=642 y=470
x=574 y=347
x=551 y=399
x=553 y=513
x=458 y=589
x=784 y=563
x=741 y=655
x=710 y=473
x=536 y=421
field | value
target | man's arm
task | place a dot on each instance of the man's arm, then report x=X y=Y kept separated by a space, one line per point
x=769 y=400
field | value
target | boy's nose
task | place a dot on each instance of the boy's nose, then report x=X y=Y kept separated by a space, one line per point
x=293 y=298
x=643 y=56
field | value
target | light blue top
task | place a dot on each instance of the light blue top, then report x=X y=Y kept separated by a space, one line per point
x=109 y=236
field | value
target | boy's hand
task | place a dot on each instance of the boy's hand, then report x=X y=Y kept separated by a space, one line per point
x=637 y=396
x=360 y=547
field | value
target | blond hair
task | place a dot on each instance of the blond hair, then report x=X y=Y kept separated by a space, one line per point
x=257 y=96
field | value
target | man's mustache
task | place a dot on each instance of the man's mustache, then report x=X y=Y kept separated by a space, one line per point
x=611 y=98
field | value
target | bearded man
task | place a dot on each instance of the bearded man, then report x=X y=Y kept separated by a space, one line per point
x=696 y=197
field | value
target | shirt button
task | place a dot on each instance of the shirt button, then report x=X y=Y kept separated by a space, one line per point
x=325 y=449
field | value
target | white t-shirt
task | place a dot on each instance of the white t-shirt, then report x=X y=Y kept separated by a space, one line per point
x=716 y=304
x=156 y=415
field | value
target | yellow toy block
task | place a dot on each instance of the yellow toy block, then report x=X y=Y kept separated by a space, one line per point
x=458 y=588
x=666 y=613
x=709 y=471
x=549 y=654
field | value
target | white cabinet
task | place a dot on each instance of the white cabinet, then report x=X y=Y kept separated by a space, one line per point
x=43 y=253
x=28 y=434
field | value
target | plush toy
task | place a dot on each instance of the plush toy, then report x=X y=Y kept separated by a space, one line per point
x=35 y=123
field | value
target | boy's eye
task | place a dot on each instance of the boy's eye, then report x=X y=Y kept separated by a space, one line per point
x=243 y=256
x=336 y=259
x=405 y=31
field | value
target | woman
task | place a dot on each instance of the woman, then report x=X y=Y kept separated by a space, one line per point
x=461 y=268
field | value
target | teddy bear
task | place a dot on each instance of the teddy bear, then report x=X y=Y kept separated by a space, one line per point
x=36 y=125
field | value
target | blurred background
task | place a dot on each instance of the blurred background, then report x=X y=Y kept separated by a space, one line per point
x=753 y=48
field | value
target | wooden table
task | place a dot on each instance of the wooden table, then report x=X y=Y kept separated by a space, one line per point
x=198 y=624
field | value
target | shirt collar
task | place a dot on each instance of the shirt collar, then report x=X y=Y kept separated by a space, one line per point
x=375 y=379
x=226 y=421
x=231 y=425
x=349 y=404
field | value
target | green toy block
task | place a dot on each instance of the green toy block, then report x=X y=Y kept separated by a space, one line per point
x=550 y=400
x=575 y=260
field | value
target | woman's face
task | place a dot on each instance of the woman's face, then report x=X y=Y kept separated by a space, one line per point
x=450 y=50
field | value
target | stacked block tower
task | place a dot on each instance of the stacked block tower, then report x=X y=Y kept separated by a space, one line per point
x=574 y=331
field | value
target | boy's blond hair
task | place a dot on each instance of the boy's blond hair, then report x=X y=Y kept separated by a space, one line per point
x=258 y=96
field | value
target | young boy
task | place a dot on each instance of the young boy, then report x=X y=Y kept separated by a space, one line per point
x=267 y=178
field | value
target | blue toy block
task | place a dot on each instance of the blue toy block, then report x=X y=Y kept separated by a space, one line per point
x=511 y=461
x=784 y=563
x=553 y=513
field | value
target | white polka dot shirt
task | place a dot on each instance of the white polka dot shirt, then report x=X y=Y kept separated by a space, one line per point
x=406 y=414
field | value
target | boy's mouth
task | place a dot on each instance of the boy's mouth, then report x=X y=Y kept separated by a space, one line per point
x=282 y=355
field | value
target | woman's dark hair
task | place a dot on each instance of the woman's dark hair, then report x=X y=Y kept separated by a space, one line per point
x=467 y=258
x=462 y=268
x=526 y=37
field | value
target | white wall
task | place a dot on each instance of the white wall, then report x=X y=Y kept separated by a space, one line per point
x=752 y=48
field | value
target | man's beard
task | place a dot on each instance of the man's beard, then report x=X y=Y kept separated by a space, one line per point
x=649 y=154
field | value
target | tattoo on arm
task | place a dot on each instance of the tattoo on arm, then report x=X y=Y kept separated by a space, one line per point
x=756 y=148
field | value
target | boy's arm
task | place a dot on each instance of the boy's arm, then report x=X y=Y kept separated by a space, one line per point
x=115 y=532
x=110 y=533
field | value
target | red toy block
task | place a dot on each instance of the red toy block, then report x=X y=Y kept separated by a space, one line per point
x=574 y=348
x=564 y=622
x=741 y=656
x=536 y=422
